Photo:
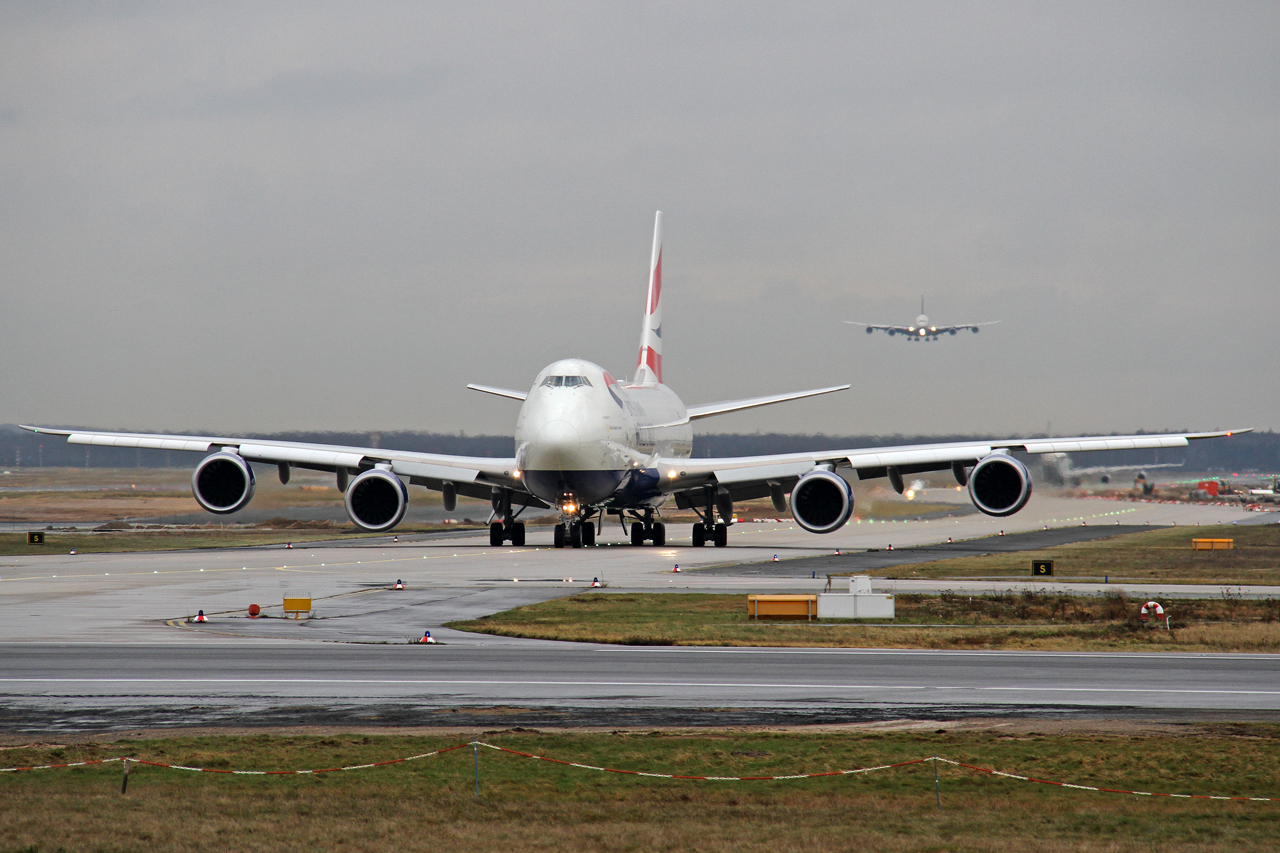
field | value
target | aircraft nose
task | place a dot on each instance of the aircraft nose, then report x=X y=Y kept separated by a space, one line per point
x=555 y=447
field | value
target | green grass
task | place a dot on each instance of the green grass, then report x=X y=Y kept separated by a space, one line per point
x=117 y=541
x=1040 y=621
x=528 y=805
x=1162 y=554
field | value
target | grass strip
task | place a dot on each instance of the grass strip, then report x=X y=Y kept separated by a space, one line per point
x=1013 y=620
x=1164 y=554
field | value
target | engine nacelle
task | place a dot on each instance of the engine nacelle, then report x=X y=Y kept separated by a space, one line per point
x=821 y=502
x=376 y=500
x=999 y=485
x=223 y=482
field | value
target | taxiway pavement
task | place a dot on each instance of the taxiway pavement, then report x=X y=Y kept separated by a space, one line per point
x=102 y=634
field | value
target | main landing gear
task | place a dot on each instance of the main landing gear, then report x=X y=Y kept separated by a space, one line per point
x=718 y=534
x=651 y=531
x=644 y=529
x=576 y=534
x=507 y=530
x=512 y=532
x=708 y=529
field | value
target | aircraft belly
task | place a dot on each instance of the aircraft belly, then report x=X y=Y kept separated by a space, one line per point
x=588 y=486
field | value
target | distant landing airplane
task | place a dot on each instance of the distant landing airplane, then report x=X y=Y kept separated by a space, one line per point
x=922 y=329
x=590 y=446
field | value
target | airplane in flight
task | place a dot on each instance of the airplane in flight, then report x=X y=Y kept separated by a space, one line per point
x=1057 y=469
x=922 y=329
x=589 y=446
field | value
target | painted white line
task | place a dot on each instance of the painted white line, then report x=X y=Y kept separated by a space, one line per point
x=685 y=684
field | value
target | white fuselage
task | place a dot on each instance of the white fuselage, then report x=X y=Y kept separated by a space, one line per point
x=584 y=439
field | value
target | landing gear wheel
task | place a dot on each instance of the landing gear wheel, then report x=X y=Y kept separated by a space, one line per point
x=517 y=533
x=557 y=538
x=588 y=534
x=699 y=536
x=495 y=533
x=722 y=535
x=575 y=535
x=659 y=534
x=637 y=533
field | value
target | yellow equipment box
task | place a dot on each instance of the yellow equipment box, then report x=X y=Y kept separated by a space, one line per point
x=1213 y=544
x=297 y=606
x=782 y=607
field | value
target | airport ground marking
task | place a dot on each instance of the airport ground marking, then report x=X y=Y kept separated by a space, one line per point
x=410 y=682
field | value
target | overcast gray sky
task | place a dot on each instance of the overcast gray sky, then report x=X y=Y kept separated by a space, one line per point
x=256 y=217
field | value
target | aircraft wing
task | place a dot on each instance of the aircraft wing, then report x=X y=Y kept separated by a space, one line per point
x=473 y=476
x=972 y=327
x=500 y=392
x=875 y=327
x=748 y=477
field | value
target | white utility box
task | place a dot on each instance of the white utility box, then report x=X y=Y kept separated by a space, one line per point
x=858 y=603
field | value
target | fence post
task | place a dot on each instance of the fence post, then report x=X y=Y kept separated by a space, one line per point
x=124 y=783
x=475 y=746
x=937 y=786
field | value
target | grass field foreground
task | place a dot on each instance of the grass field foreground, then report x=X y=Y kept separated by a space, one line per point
x=526 y=805
x=1012 y=620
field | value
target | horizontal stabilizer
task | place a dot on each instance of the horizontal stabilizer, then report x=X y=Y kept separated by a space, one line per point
x=723 y=408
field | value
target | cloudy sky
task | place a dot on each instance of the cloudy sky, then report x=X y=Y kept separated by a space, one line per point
x=257 y=217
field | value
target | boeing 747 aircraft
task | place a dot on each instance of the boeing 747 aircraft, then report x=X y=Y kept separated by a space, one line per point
x=922 y=329
x=590 y=447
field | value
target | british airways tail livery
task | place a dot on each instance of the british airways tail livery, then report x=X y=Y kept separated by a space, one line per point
x=589 y=446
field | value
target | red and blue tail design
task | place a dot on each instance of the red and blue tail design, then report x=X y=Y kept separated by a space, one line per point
x=649 y=365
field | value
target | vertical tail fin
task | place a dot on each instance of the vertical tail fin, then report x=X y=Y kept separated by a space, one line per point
x=649 y=365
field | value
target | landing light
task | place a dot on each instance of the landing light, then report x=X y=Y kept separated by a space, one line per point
x=671 y=475
x=922 y=331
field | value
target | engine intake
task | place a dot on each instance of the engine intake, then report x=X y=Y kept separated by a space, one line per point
x=821 y=502
x=999 y=485
x=376 y=500
x=223 y=482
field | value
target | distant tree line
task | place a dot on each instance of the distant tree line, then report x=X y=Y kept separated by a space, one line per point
x=1259 y=451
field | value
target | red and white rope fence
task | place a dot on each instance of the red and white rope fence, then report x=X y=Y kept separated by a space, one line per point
x=476 y=744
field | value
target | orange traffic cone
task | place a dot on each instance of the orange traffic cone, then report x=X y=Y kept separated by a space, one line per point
x=399 y=585
x=596 y=582
x=427 y=638
x=200 y=617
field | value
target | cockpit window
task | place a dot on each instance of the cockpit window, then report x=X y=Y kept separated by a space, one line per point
x=565 y=381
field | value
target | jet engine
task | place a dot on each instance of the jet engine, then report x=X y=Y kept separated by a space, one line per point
x=223 y=482
x=376 y=500
x=999 y=485
x=821 y=502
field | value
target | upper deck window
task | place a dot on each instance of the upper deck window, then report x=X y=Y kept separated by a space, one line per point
x=565 y=381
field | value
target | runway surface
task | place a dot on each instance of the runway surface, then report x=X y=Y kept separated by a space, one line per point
x=220 y=681
x=98 y=640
